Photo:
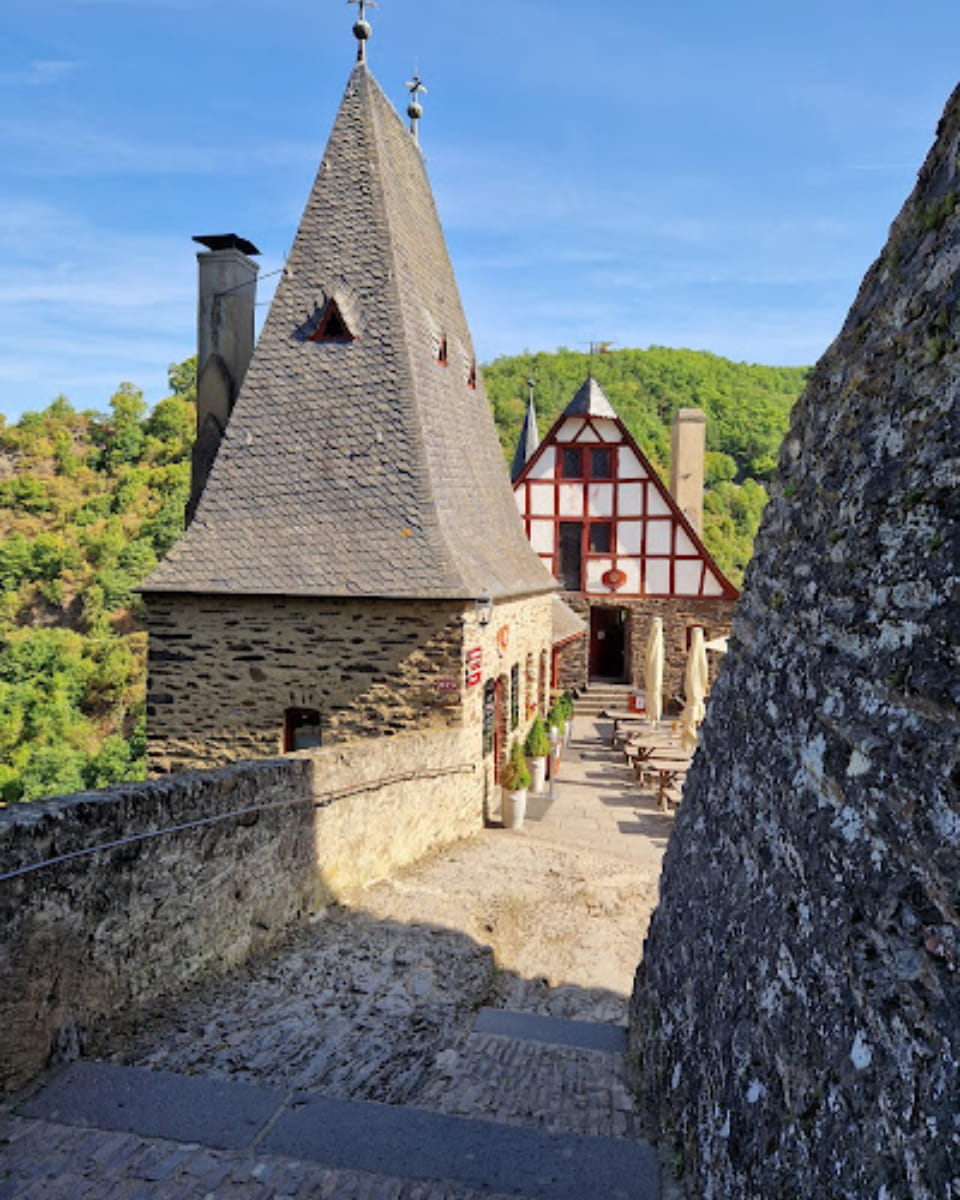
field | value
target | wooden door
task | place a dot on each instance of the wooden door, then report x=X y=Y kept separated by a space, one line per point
x=607 y=643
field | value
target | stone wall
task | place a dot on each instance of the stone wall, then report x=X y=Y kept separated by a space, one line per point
x=197 y=872
x=518 y=634
x=797 y=1011
x=679 y=614
x=223 y=671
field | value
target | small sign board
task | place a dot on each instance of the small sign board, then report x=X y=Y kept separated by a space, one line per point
x=474 y=666
x=446 y=685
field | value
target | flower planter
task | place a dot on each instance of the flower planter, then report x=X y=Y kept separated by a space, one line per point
x=514 y=808
x=538 y=773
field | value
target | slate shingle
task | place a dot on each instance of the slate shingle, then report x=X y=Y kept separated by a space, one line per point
x=361 y=468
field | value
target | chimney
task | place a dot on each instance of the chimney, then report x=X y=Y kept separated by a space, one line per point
x=686 y=464
x=228 y=285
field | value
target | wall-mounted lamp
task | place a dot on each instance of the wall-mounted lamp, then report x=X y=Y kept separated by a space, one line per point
x=484 y=609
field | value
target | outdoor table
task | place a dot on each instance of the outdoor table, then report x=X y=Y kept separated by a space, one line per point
x=669 y=771
x=640 y=745
x=649 y=756
x=620 y=717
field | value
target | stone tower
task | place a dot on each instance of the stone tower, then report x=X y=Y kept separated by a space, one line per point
x=357 y=536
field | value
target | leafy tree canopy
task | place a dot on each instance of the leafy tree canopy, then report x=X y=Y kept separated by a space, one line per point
x=89 y=502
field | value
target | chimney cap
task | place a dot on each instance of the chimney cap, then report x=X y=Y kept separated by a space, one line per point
x=226 y=241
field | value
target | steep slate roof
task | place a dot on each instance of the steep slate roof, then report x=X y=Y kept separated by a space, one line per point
x=528 y=442
x=590 y=401
x=361 y=467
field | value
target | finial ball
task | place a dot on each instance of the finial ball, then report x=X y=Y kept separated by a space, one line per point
x=362 y=30
x=414 y=111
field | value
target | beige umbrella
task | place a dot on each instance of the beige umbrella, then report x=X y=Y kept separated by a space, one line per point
x=695 y=688
x=653 y=672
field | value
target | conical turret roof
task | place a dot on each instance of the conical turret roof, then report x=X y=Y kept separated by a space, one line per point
x=528 y=442
x=361 y=457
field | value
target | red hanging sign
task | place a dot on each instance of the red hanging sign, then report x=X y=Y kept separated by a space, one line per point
x=474 y=666
x=613 y=579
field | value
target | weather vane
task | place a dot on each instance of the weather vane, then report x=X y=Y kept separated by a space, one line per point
x=362 y=29
x=415 y=108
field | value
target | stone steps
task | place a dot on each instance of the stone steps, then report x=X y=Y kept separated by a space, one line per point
x=601 y=696
x=524 y=1105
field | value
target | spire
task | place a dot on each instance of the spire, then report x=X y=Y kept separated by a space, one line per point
x=590 y=401
x=415 y=108
x=362 y=29
x=529 y=437
x=343 y=469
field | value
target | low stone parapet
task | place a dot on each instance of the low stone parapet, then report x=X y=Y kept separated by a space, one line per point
x=114 y=901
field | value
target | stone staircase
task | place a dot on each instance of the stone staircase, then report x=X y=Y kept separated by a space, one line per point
x=524 y=1106
x=601 y=696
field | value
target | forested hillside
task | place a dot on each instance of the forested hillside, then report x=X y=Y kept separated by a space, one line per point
x=747 y=407
x=89 y=501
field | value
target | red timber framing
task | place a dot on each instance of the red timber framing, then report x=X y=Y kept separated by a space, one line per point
x=590 y=488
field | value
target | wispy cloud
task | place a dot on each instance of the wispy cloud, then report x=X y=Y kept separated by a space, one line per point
x=64 y=148
x=38 y=74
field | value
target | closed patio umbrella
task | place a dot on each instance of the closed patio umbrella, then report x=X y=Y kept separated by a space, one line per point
x=653 y=671
x=695 y=689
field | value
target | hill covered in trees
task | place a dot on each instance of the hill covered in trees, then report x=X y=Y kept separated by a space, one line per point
x=90 y=501
x=748 y=409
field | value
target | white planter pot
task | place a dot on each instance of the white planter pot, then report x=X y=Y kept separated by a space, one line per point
x=538 y=774
x=514 y=805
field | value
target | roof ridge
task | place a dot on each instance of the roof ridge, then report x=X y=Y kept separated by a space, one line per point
x=425 y=496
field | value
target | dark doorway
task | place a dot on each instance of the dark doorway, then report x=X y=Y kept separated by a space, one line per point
x=301 y=729
x=608 y=643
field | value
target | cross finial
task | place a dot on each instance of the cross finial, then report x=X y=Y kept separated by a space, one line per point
x=415 y=108
x=362 y=29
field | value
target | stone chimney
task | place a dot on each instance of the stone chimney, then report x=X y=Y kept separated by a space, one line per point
x=686 y=464
x=227 y=296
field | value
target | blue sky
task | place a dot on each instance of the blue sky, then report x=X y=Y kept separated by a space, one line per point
x=688 y=174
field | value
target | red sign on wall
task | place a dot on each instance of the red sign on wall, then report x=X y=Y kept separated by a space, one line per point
x=474 y=667
x=613 y=579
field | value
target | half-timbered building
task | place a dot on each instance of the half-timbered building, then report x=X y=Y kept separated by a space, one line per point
x=606 y=526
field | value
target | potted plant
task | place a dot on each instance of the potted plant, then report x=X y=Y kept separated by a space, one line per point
x=514 y=781
x=556 y=720
x=566 y=702
x=537 y=747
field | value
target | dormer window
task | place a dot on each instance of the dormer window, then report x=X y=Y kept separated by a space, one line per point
x=442 y=353
x=330 y=325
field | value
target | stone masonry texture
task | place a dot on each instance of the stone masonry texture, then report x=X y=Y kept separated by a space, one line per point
x=798 y=1006
x=201 y=871
x=223 y=670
